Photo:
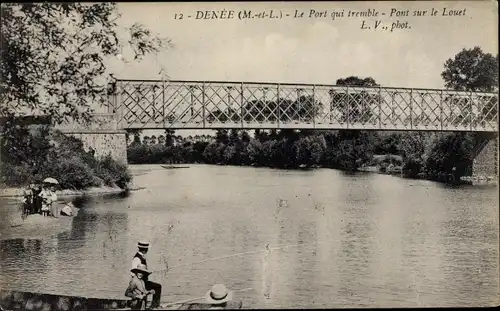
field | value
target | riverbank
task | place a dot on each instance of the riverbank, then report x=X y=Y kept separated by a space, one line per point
x=36 y=226
x=464 y=180
x=13 y=192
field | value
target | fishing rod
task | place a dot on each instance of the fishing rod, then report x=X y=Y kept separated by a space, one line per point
x=236 y=255
x=221 y=257
x=207 y=260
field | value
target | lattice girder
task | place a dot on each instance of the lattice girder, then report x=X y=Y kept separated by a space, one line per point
x=193 y=104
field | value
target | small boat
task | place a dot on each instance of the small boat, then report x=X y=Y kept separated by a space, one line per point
x=169 y=167
x=18 y=300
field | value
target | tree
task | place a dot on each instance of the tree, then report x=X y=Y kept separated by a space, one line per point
x=245 y=137
x=161 y=140
x=254 y=151
x=471 y=70
x=412 y=146
x=136 y=133
x=307 y=108
x=221 y=136
x=169 y=137
x=450 y=157
x=53 y=57
x=261 y=135
x=211 y=153
x=152 y=140
x=357 y=81
x=468 y=70
x=309 y=150
x=388 y=144
x=352 y=149
x=258 y=110
x=229 y=154
x=198 y=148
x=355 y=106
x=269 y=152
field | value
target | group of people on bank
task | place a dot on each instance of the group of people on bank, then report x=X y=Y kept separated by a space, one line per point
x=140 y=287
x=40 y=199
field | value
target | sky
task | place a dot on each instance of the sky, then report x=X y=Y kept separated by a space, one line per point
x=309 y=50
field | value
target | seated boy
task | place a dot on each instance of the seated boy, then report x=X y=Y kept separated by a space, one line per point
x=137 y=289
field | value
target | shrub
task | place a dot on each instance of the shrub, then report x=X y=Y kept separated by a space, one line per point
x=45 y=152
x=15 y=174
x=383 y=166
x=72 y=173
x=412 y=168
x=113 y=173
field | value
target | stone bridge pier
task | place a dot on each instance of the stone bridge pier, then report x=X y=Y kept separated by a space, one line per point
x=485 y=164
x=102 y=135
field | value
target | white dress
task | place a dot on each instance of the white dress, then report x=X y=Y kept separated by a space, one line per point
x=48 y=197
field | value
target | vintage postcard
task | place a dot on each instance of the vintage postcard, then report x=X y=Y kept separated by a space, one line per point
x=249 y=155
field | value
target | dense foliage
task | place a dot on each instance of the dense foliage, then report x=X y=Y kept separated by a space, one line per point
x=38 y=153
x=437 y=156
x=471 y=70
x=53 y=63
x=450 y=157
x=53 y=56
x=346 y=150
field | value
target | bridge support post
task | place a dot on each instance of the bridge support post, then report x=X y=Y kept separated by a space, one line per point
x=485 y=164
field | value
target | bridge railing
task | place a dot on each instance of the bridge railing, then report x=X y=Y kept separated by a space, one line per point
x=197 y=104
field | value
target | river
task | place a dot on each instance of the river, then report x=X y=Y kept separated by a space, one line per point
x=335 y=239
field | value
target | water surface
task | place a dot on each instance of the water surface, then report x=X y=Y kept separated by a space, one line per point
x=337 y=240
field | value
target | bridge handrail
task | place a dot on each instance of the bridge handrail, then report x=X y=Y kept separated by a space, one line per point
x=303 y=84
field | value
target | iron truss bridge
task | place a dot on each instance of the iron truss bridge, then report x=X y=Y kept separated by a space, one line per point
x=138 y=104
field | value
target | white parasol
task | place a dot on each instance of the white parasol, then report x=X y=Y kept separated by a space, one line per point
x=51 y=180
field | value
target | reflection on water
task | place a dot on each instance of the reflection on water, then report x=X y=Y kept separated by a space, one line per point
x=335 y=240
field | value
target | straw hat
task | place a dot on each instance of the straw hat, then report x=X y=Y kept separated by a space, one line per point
x=143 y=244
x=218 y=294
x=140 y=268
